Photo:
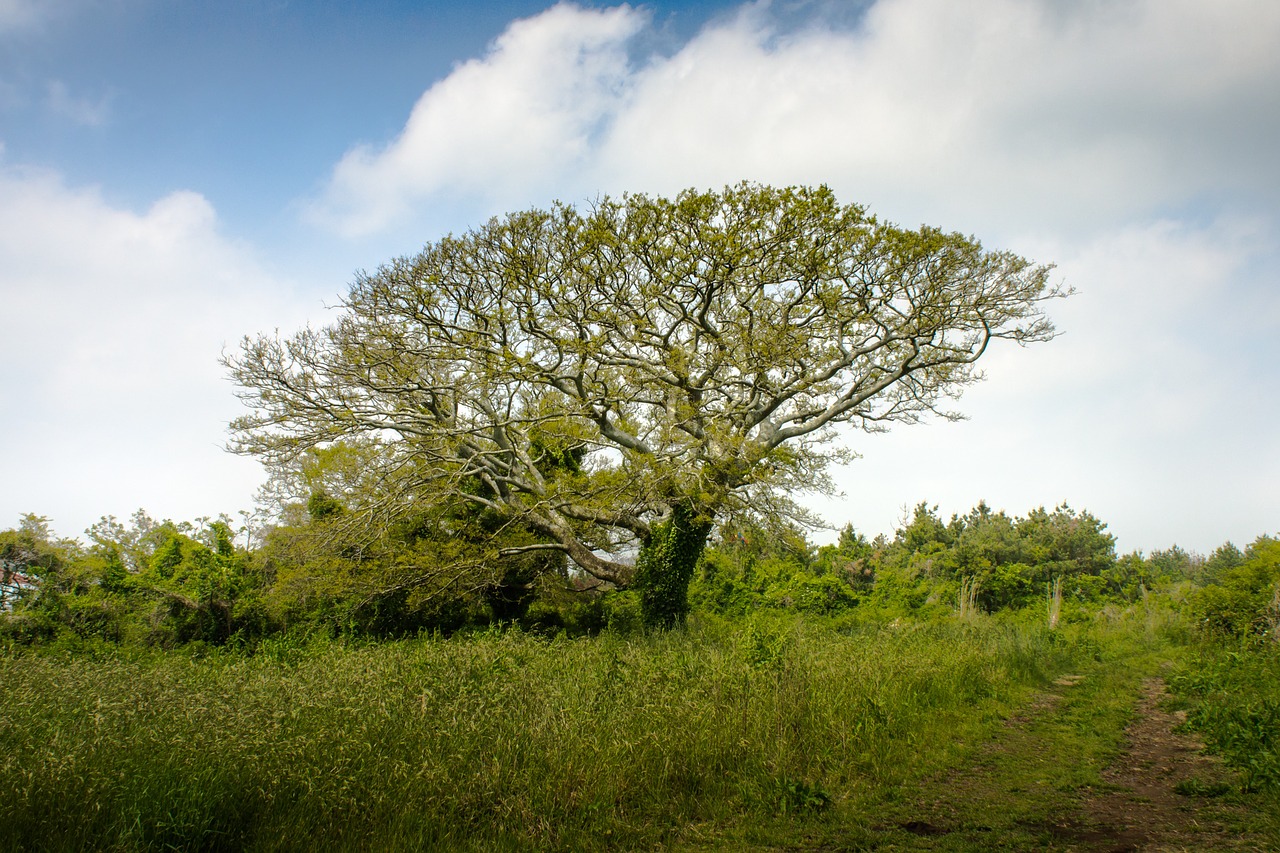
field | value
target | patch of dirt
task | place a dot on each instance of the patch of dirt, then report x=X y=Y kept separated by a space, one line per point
x=1142 y=809
x=921 y=827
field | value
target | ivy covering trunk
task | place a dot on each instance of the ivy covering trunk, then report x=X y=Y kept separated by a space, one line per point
x=665 y=566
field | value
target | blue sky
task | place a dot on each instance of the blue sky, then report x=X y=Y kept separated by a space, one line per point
x=176 y=175
x=251 y=100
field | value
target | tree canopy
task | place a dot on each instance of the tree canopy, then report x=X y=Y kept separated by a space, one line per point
x=621 y=376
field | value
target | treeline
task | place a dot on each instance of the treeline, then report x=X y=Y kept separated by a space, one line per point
x=326 y=567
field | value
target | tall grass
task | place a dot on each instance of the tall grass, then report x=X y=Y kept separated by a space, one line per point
x=495 y=741
x=1053 y=595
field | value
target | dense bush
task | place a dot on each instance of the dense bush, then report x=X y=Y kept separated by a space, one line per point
x=1244 y=598
x=1233 y=681
x=751 y=567
x=1009 y=561
x=331 y=563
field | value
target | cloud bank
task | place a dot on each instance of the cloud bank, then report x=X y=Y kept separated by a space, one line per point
x=113 y=323
x=1076 y=116
x=507 y=125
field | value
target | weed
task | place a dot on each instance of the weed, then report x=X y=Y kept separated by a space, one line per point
x=792 y=796
x=1234 y=698
x=1196 y=787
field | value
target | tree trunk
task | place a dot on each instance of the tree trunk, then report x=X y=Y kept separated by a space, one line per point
x=665 y=566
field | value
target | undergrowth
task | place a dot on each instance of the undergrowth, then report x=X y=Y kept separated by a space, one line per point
x=1234 y=693
x=496 y=741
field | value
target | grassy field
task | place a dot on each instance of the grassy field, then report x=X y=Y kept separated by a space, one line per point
x=497 y=741
x=761 y=733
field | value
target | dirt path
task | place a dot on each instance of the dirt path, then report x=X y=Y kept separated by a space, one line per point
x=1161 y=791
x=1035 y=785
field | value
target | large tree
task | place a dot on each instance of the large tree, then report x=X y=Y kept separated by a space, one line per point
x=618 y=377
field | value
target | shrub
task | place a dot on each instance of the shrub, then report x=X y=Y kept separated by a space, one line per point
x=1245 y=601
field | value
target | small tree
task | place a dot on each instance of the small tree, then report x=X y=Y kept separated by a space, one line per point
x=692 y=356
x=31 y=562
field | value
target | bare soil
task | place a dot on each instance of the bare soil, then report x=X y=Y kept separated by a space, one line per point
x=1162 y=792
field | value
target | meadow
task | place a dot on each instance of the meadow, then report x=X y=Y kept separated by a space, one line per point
x=974 y=684
x=504 y=740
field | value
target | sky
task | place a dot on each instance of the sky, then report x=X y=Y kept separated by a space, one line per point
x=176 y=175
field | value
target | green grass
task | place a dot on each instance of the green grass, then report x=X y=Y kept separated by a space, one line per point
x=1233 y=697
x=995 y=776
x=1231 y=693
x=726 y=734
x=1011 y=788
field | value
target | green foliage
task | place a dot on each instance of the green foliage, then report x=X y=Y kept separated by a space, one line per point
x=1244 y=600
x=320 y=506
x=33 y=568
x=622 y=612
x=1131 y=574
x=344 y=559
x=665 y=566
x=1234 y=681
x=1235 y=702
x=340 y=567
x=765 y=642
x=806 y=592
x=1173 y=563
x=385 y=583
x=752 y=566
x=171 y=584
x=1011 y=560
x=850 y=558
x=1225 y=558
x=197 y=585
x=792 y=796
x=158 y=583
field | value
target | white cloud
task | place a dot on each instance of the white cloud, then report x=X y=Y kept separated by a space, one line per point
x=999 y=111
x=504 y=126
x=80 y=110
x=114 y=321
x=993 y=112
